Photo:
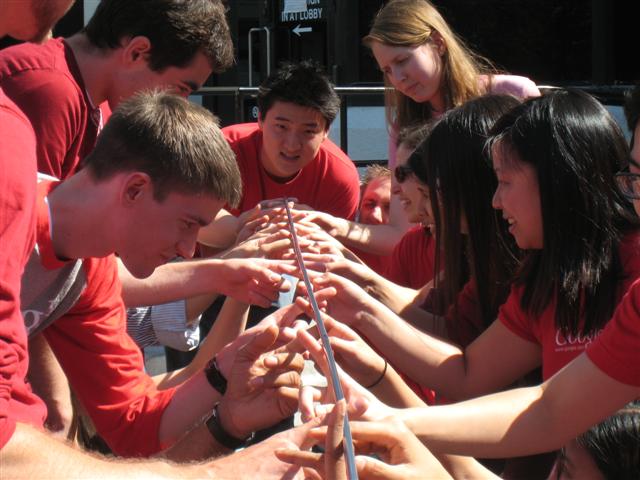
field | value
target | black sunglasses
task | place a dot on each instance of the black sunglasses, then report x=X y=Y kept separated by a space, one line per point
x=628 y=184
x=401 y=173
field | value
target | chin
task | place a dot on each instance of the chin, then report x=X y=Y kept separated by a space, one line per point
x=140 y=270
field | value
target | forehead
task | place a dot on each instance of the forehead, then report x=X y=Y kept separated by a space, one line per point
x=378 y=188
x=295 y=114
x=386 y=53
x=200 y=207
x=402 y=154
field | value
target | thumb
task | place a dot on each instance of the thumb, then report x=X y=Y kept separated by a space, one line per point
x=259 y=344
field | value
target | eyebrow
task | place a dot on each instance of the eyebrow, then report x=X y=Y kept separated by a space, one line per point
x=199 y=220
x=308 y=124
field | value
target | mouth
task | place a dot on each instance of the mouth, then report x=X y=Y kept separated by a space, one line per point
x=512 y=223
x=289 y=158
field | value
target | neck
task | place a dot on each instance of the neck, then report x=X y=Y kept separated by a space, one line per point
x=95 y=66
x=81 y=225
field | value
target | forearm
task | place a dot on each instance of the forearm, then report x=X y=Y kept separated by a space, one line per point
x=380 y=239
x=192 y=400
x=393 y=391
x=31 y=454
x=426 y=359
x=49 y=382
x=523 y=421
x=230 y=323
x=222 y=232
x=171 y=282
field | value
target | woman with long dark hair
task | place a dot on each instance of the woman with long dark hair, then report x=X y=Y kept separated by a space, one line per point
x=555 y=158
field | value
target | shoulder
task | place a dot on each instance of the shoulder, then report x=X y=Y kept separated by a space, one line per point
x=521 y=87
x=240 y=132
x=28 y=57
x=30 y=74
x=336 y=159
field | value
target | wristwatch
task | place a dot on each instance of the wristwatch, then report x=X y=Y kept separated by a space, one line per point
x=215 y=377
x=221 y=436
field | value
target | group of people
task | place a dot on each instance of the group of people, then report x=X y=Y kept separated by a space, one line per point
x=502 y=240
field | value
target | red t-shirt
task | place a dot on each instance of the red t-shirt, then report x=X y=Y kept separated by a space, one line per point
x=17 y=237
x=413 y=258
x=616 y=351
x=103 y=364
x=45 y=82
x=329 y=183
x=558 y=349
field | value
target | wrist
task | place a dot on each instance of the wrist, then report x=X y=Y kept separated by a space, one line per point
x=215 y=377
x=223 y=433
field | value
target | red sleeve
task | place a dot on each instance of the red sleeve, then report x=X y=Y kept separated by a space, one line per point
x=512 y=316
x=53 y=103
x=105 y=367
x=616 y=351
x=340 y=194
x=17 y=237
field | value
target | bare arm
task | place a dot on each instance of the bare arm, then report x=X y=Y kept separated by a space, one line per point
x=525 y=420
x=251 y=281
x=492 y=361
x=31 y=454
x=49 y=382
x=222 y=232
x=230 y=323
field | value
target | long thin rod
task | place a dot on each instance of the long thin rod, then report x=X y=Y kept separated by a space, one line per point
x=335 y=380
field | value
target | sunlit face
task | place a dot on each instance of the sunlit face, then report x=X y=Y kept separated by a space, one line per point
x=160 y=231
x=36 y=18
x=291 y=138
x=518 y=197
x=374 y=208
x=635 y=156
x=178 y=80
x=575 y=463
x=412 y=193
x=414 y=71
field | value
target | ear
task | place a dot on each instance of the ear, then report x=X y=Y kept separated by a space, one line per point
x=439 y=43
x=136 y=50
x=260 y=119
x=136 y=187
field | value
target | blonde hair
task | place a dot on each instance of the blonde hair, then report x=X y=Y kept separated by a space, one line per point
x=412 y=23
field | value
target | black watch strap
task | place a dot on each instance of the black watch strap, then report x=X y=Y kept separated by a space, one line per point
x=215 y=377
x=221 y=436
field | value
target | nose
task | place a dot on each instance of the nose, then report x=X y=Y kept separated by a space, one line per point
x=378 y=214
x=292 y=142
x=397 y=76
x=186 y=247
x=496 y=202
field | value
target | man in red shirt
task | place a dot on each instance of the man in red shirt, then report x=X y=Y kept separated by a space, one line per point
x=287 y=152
x=160 y=171
x=23 y=21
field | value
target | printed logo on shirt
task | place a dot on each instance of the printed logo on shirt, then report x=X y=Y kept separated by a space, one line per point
x=570 y=343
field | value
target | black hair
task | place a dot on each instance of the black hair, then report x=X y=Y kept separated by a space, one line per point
x=632 y=110
x=177 y=30
x=303 y=84
x=575 y=147
x=614 y=444
x=454 y=163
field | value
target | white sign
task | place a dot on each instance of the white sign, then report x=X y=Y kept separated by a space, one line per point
x=294 y=6
x=298 y=29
